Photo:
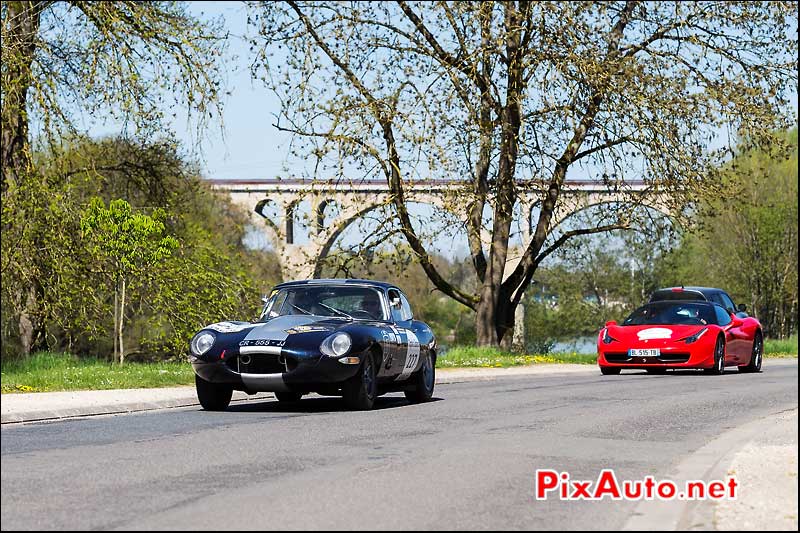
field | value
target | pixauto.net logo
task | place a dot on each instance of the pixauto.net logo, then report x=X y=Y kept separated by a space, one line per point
x=552 y=484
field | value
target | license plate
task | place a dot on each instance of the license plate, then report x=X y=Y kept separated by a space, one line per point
x=644 y=352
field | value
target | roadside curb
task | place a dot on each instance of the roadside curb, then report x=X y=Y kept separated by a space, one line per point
x=711 y=462
x=40 y=406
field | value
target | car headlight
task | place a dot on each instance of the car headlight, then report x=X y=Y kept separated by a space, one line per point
x=336 y=345
x=693 y=338
x=202 y=342
x=607 y=339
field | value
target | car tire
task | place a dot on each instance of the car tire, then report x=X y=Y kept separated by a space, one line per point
x=756 y=357
x=656 y=370
x=719 y=358
x=288 y=396
x=422 y=382
x=360 y=391
x=607 y=371
x=213 y=396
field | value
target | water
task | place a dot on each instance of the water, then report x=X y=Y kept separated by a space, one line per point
x=582 y=345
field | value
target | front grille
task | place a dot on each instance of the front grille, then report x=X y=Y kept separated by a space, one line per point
x=622 y=357
x=261 y=364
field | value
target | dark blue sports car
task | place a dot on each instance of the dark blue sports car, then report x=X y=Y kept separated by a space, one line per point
x=352 y=338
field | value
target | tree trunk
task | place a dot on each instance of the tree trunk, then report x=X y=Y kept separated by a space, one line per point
x=116 y=320
x=121 y=323
x=26 y=328
x=23 y=27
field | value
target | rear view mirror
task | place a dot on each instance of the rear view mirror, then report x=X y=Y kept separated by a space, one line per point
x=394 y=302
x=742 y=308
x=611 y=323
x=737 y=321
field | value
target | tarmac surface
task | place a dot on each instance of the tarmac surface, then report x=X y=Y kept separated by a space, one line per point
x=464 y=461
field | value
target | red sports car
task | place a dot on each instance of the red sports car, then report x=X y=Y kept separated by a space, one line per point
x=681 y=334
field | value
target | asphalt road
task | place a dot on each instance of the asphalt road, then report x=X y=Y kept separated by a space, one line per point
x=465 y=461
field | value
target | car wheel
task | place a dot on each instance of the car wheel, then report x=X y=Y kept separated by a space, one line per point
x=656 y=370
x=359 y=392
x=606 y=371
x=285 y=397
x=423 y=382
x=757 y=356
x=719 y=358
x=213 y=396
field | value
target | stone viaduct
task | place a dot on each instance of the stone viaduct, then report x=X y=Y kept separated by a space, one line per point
x=330 y=206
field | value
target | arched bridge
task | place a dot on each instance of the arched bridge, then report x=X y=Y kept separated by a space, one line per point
x=328 y=207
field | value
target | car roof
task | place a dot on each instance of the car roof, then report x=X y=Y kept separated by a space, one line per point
x=705 y=291
x=670 y=302
x=336 y=281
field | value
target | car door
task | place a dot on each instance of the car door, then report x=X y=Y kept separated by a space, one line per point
x=397 y=333
x=734 y=336
x=409 y=348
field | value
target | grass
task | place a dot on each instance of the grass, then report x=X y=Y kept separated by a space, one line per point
x=781 y=348
x=46 y=371
x=472 y=356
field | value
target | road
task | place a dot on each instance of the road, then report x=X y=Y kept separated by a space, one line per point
x=464 y=461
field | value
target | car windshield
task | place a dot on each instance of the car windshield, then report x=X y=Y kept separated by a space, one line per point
x=668 y=312
x=348 y=302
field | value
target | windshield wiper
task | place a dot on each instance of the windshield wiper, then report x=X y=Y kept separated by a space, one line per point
x=335 y=310
x=301 y=309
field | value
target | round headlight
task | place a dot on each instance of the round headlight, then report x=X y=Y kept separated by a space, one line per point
x=202 y=342
x=336 y=345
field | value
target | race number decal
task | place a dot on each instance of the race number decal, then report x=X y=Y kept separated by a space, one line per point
x=412 y=355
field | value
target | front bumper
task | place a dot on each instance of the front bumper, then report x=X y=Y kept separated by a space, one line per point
x=307 y=374
x=679 y=356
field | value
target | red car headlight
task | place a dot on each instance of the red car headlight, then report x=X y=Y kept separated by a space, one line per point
x=608 y=339
x=693 y=338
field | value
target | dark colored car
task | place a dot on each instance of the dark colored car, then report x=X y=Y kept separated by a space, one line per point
x=708 y=294
x=352 y=338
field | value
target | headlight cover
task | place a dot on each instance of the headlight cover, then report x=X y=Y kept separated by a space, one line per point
x=336 y=345
x=607 y=339
x=202 y=342
x=695 y=337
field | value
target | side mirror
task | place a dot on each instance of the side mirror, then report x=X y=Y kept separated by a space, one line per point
x=742 y=308
x=394 y=302
x=611 y=323
x=264 y=298
x=737 y=321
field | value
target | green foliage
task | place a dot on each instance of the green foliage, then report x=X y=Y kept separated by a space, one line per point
x=128 y=242
x=207 y=275
x=746 y=239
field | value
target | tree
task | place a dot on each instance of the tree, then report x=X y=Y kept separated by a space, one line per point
x=212 y=276
x=118 y=60
x=127 y=245
x=746 y=240
x=516 y=95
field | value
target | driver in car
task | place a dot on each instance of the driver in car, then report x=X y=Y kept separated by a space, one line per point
x=371 y=305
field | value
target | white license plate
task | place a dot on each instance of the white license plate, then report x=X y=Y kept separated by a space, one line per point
x=644 y=352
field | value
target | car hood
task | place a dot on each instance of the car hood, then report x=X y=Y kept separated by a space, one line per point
x=652 y=333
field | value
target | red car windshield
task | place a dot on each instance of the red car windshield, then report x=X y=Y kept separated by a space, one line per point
x=674 y=313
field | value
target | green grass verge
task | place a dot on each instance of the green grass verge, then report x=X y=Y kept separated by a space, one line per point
x=45 y=372
x=781 y=348
x=472 y=356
